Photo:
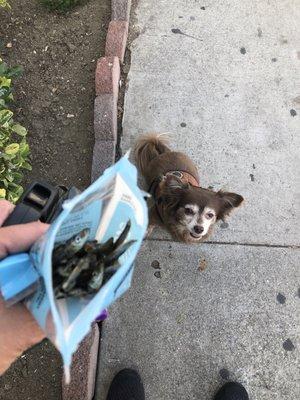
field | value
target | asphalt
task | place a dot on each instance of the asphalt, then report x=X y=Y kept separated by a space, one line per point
x=223 y=79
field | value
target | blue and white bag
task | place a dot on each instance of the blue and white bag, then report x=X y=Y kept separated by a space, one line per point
x=103 y=208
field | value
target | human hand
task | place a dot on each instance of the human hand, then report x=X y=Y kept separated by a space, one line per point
x=18 y=328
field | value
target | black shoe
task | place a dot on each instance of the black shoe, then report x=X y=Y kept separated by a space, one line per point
x=232 y=391
x=126 y=385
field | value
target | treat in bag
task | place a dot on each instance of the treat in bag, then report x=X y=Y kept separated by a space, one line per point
x=85 y=260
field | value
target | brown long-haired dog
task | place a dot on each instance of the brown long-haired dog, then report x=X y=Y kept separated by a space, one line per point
x=180 y=205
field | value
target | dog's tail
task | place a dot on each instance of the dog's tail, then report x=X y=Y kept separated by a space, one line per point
x=148 y=147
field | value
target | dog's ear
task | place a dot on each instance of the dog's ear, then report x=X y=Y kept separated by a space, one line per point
x=229 y=201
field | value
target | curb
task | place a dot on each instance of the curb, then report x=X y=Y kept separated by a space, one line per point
x=107 y=81
x=83 y=368
x=120 y=10
x=107 y=76
x=116 y=39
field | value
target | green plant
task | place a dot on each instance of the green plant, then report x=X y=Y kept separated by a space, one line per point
x=4 y=4
x=14 y=149
x=60 y=5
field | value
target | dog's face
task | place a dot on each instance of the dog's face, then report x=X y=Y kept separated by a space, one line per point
x=190 y=212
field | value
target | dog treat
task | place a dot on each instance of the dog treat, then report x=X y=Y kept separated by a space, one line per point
x=81 y=267
x=64 y=252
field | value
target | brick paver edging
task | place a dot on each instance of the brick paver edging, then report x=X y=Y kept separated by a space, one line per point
x=107 y=78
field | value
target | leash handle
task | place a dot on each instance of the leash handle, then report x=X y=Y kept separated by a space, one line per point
x=38 y=202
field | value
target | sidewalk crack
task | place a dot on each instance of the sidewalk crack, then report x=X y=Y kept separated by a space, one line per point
x=276 y=246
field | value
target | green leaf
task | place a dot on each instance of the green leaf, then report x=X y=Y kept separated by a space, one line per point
x=9 y=178
x=13 y=186
x=5 y=116
x=19 y=191
x=13 y=197
x=19 y=130
x=27 y=166
x=2 y=193
x=16 y=163
x=14 y=194
x=5 y=183
x=4 y=156
x=3 y=68
x=5 y=82
x=14 y=71
x=17 y=177
x=4 y=92
x=3 y=134
x=5 y=4
x=24 y=150
x=12 y=149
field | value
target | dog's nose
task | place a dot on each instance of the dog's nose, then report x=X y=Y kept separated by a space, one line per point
x=198 y=229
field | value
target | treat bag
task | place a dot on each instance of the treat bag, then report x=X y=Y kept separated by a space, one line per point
x=101 y=211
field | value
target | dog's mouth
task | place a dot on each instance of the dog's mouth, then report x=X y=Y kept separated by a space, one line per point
x=185 y=235
x=194 y=236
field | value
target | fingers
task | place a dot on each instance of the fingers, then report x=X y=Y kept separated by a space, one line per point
x=18 y=238
x=6 y=208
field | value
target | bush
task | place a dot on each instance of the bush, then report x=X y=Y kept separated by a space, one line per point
x=14 y=149
x=60 y=5
x=4 y=4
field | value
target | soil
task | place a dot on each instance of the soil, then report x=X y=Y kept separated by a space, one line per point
x=36 y=375
x=55 y=94
x=54 y=101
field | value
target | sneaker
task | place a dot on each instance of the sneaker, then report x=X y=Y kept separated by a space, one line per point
x=232 y=391
x=126 y=385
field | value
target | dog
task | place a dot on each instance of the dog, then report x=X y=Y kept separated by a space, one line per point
x=179 y=204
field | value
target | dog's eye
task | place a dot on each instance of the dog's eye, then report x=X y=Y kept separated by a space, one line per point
x=209 y=215
x=189 y=211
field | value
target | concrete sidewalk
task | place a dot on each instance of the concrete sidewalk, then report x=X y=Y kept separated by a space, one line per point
x=223 y=78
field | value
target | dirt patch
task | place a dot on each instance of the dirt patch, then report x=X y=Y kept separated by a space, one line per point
x=36 y=375
x=55 y=94
x=54 y=100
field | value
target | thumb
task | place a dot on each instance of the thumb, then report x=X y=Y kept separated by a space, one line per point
x=18 y=238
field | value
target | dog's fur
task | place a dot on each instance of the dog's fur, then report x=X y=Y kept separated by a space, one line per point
x=188 y=212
